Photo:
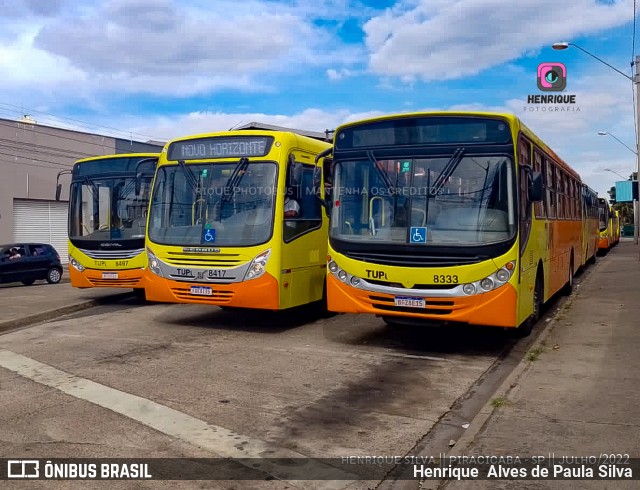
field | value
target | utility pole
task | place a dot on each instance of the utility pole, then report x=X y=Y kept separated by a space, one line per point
x=634 y=183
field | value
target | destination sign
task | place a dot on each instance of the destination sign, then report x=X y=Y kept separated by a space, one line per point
x=220 y=147
x=424 y=130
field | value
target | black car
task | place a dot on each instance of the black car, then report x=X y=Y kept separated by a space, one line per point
x=29 y=262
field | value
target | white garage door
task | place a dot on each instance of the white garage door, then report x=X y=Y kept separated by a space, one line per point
x=42 y=221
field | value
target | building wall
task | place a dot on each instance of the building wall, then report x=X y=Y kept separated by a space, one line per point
x=32 y=155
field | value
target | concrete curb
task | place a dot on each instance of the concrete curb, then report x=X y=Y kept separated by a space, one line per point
x=509 y=385
x=58 y=312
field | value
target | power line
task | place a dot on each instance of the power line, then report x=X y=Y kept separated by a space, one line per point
x=127 y=133
x=34 y=128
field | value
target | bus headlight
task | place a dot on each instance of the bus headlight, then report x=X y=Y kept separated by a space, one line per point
x=258 y=265
x=78 y=266
x=154 y=263
x=493 y=281
x=503 y=275
x=487 y=284
x=342 y=275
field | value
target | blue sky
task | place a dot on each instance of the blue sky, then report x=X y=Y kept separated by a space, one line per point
x=158 y=69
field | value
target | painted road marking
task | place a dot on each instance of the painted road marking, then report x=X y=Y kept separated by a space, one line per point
x=216 y=439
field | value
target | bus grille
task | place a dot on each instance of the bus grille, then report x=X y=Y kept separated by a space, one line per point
x=443 y=287
x=218 y=296
x=114 y=283
x=112 y=254
x=432 y=306
x=406 y=260
x=219 y=260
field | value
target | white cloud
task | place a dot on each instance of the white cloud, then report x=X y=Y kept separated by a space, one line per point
x=447 y=39
x=165 y=48
x=335 y=75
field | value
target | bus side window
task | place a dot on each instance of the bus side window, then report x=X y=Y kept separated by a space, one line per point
x=310 y=216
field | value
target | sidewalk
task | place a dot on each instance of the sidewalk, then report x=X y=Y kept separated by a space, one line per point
x=24 y=305
x=577 y=392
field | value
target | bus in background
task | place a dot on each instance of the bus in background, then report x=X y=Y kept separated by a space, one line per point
x=450 y=217
x=235 y=220
x=615 y=226
x=590 y=228
x=108 y=203
x=605 y=226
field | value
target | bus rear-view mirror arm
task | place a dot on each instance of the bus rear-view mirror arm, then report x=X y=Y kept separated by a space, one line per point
x=139 y=175
x=58 y=184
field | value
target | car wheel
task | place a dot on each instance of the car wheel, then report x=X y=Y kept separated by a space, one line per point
x=28 y=282
x=54 y=275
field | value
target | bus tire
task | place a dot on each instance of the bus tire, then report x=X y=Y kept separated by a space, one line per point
x=140 y=294
x=568 y=287
x=525 y=329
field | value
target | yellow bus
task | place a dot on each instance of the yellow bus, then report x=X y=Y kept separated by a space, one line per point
x=235 y=220
x=590 y=230
x=108 y=203
x=615 y=226
x=450 y=217
x=605 y=226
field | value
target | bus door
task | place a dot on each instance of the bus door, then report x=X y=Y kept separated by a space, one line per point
x=304 y=238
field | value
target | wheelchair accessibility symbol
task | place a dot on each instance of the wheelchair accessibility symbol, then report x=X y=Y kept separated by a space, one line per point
x=209 y=235
x=418 y=234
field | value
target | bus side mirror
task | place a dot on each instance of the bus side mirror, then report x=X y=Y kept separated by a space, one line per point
x=58 y=184
x=140 y=172
x=535 y=191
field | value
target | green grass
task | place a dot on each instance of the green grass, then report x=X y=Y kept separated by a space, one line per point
x=500 y=402
x=534 y=354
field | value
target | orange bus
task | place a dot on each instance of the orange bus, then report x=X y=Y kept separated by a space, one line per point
x=451 y=217
x=590 y=231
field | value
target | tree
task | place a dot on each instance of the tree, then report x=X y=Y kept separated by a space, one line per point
x=626 y=212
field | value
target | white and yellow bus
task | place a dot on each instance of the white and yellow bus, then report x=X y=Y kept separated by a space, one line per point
x=452 y=217
x=217 y=231
x=108 y=203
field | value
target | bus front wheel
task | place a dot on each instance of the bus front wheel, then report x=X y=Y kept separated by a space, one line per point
x=525 y=329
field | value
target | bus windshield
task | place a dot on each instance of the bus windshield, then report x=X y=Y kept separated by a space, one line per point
x=603 y=217
x=228 y=204
x=109 y=208
x=456 y=200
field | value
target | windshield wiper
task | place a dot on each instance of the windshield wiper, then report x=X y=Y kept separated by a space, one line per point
x=447 y=171
x=234 y=179
x=92 y=185
x=191 y=178
x=382 y=174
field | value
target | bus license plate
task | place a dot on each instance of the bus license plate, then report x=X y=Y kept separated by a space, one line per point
x=409 y=302
x=201 y=291
x=109 y=275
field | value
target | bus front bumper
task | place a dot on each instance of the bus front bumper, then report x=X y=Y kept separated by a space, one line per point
x=494 y=308
x=92 y=278
x=603 y=243
x=260 y=293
